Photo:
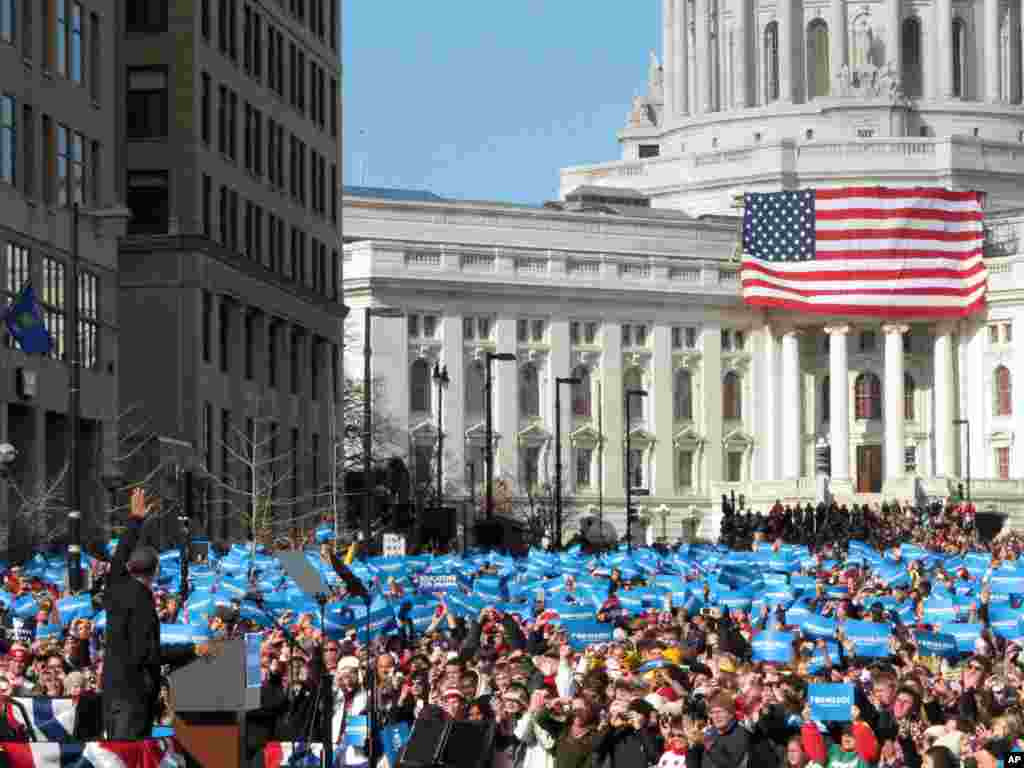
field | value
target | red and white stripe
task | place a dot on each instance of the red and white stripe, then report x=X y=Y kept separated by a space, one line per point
x=882 y=252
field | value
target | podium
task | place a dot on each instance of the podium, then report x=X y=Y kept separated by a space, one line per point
x=211 y=699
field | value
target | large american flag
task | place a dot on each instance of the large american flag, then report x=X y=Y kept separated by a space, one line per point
x=865 y=251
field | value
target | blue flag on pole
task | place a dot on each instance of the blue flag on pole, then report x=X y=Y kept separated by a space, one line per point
x=24 y=321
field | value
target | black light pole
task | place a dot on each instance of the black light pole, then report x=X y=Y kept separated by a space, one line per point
x=630 y=394
x=559 y=381
x=74 y=484
x=442 y=381
x=368 y=314
x=489 y=429
x=965 y=423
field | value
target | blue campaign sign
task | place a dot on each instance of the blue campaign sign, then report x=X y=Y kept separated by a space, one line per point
x=573 y=612
x=75 y=607
x=797 y=614
x=938 y=644
x=1005 y=621
x=939 y=611
x=588 y=632
x=253 y=673
x=734 y=601
x=965 y=634
x=818 y=627
x=869 y=639
x=831 y=702
x=1007 y=582
x=357 y=729
x=182 y=634
x=773 y=646
x=489 y=587
x=437 y=582
x=392 y=741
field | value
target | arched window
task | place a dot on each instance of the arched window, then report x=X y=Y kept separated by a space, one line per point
x=634 y=380
x=909 y=390
x=581 y=392
x=867 y=394
x=529 y=392
x=818 y=77
x=732 y=397
x=826 y=398
x=771 y=62
x=1003 y=392
x=475 y=392
x=862 y=41
x=419 y=387
x=959 y=54
x=910 y=42
x=682 y=396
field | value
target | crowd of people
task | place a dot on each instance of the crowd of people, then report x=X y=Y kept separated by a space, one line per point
x=676 y=683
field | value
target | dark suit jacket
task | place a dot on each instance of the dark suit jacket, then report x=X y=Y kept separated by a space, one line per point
x=88 y=718
x=131 y=668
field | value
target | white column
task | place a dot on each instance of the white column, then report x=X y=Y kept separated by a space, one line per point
x=895 y=438
x=682 y=58
x=943 y=426
x=894 y=24
x=791 y=410
x=839 y=400
x=663 y=379
x=703 y=58
x=668 y=55
x=453 y=355
x=785 y=14
x=943 y=56
x=711 y=396
x=769 y=405
x=836 y=44
x=990 y=50
x=741 y=67
x=1020 y=63
x=505 y=400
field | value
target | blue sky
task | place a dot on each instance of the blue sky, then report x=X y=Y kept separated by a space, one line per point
x=486 y=100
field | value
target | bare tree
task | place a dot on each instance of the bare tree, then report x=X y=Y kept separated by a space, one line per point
x=39 y=516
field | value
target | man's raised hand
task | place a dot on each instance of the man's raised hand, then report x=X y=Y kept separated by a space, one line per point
x=138 y=509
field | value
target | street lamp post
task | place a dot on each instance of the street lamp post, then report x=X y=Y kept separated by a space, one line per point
x=368 y=314
x=489 y=428
x=630 y=394
x=965 y=423
x=442 y=381
x=559 y=381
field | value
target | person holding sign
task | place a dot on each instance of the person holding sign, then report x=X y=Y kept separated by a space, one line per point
x=133 y=657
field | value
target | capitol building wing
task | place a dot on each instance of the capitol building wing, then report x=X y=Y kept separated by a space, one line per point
x=631 y=281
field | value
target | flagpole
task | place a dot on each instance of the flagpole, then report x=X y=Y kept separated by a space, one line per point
x=73 y=485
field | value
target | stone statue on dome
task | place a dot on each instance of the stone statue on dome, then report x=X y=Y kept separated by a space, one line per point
x=655 y=80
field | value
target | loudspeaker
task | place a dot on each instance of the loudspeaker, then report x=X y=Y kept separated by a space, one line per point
x=436 y=743
x=989 y=524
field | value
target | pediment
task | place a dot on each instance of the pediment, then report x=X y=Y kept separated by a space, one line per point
x=686 y=435
x=534 y=433
x=641 y=435
x=585 y=435
x=425 y=428
x=738 y=437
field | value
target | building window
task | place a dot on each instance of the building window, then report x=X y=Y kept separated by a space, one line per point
x=677 y=337
x=1003 y=462
x=584 y=463
x=147 y=103
x=148 y=16
x=88 y=320
x=250 y=344
x=76 y=157
x=233 y=125
x=273 y=329
x=911 y=44
x=8 y=16
x=732 y=397
x=207 y=204
x=682 y=396
x=224 y=342
x=28 y=140
x=529 y=392
x=771 y=61
x=95 y=47
x=867 y=397
x=225 y=448
x=316 y=369
x=647 y=151
x=206 y=435
x=909 y=391
x=818 y=77
x=18 y=272
x=726 y=340
x=148 y=202
x=247 y=39
x=422 y=326
x=207 y=326
x=477 y=328
x=632 y=384
x=296 y=345
x=684 y=470
x=1007 y=332
x=635 y=468
x=959 y=54
x=59 y=51
x=734 y=467
x=910 y=460
x=205 y=108
x=1003 y=400
x=52 y=300
x=8 y=138
x=581 y=393
x=419 y=387
x=826 y=398
x=204 y=19
x=866 y=341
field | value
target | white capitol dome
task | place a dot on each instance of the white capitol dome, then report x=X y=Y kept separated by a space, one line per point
x=753 y=95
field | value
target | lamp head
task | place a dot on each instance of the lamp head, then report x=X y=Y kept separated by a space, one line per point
x=505 y=356
x=637 y=392
x=571 y=380
x=8 y=454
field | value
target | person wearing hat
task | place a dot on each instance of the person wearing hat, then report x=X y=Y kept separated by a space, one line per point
x=131 y=674
x=725 y=741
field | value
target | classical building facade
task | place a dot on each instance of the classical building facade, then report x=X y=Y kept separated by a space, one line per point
x=738 y=400
x=750 y=95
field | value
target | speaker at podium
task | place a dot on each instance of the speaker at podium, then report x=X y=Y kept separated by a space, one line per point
x=211 y=699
